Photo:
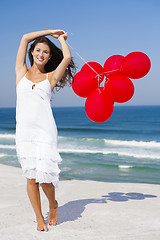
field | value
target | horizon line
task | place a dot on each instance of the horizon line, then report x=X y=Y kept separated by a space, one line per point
x=150 y=105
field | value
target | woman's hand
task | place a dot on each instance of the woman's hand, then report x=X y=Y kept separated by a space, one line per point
x=58 y=33
x=64 y=36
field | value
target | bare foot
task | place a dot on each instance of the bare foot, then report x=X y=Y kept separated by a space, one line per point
x=41 y=226
x=53 y=214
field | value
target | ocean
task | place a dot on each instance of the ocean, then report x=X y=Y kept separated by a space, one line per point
x=126 y=148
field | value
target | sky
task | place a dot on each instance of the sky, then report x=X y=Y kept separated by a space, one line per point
x=96 y=30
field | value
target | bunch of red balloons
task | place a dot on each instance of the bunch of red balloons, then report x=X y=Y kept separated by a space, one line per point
x=117 y=88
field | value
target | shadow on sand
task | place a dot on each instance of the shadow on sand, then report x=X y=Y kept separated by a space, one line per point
x=74 y=209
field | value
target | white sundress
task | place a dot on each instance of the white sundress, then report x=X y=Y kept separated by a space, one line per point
x=36 y=132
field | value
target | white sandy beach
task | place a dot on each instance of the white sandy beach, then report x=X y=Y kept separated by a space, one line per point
x=87 y=210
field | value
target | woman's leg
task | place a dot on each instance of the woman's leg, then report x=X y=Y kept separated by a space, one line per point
x=34 y=196
x=49 y=191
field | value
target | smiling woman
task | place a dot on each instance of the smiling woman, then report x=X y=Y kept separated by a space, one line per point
x=36 y=130
x=41 y=53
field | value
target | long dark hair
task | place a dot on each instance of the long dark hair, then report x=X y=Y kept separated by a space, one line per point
x=54 y=61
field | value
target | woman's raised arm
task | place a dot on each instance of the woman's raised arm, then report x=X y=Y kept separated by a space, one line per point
x=21 y=66
x=57 y=74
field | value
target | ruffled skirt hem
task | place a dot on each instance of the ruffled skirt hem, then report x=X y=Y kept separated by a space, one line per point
x=39 y=161
x=42 y=177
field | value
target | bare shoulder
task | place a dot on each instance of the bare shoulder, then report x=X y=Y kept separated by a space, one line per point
x=20 y=74
x=51 y=79
x=51 y=75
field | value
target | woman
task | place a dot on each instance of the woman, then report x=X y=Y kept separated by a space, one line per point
x=36 y=131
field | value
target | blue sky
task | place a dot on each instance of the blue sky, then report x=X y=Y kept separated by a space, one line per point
x=96 y=30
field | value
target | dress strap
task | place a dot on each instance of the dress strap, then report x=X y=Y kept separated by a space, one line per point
x=26 y=73
x=47 y=76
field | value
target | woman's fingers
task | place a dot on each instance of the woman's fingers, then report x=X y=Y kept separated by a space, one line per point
x=64 y=36
x=57 y=33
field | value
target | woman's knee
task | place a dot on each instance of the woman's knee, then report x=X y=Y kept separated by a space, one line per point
x=47 y=185
x=31 y=181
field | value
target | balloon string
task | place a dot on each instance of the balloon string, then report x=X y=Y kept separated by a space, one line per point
x=98 y=81
x=97 y=74
x=83 y=60
x=116 y=70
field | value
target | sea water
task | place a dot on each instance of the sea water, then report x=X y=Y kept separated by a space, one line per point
x=126 y=148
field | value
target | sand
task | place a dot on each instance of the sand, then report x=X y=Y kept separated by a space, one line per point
x=87 y=210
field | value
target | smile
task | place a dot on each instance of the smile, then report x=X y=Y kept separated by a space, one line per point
x=40 y=59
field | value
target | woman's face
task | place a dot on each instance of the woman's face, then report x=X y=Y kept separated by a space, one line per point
x=41 y=53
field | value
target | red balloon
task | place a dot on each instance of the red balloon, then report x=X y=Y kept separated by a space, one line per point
x=99 y=105
x=136 y=65
x=120 y=88
x=88 y=67
x=113 y=63
x=84 y=83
